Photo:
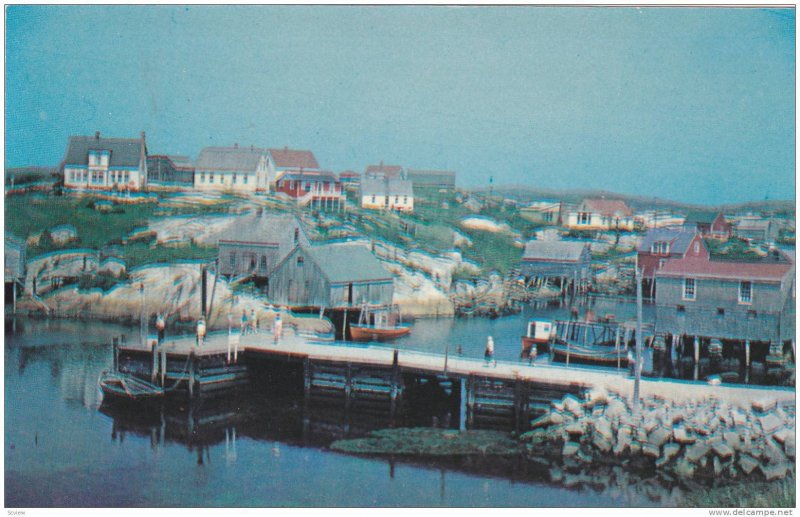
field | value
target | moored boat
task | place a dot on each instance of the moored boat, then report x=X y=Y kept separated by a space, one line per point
x=118 y=387
x=538 y=334
x=590 y=354
x=378 y=323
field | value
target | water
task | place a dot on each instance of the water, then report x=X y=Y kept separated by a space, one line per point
x=62 y=449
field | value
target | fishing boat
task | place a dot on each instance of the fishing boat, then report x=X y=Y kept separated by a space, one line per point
x=118 y=387
x=538 y=334
x=597 y=342
x=378 y=323
x=605 y=355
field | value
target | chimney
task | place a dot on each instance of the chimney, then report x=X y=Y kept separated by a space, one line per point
x=97 y=135
x=142 y=135
x=236 y=146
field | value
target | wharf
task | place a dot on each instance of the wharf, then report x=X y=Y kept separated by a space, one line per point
x=305 y=349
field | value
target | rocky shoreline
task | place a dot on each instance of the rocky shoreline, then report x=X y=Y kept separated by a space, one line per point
x=688 y=440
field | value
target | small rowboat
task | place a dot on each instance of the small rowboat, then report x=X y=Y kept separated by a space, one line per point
x=589 y=354
x=121 y=387
x=378 y=323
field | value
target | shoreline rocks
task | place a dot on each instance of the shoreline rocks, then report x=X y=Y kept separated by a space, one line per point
x=691 y=439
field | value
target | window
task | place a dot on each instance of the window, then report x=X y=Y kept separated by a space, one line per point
x=203 y=178
x=584 y=217
x=296 y=235
x=234 y=178
x=244 y=179
x=396 y=199
x=263 y=262
x=233 y=260
x=660 y=248
x=745 y=292
x=211 y=178
x=300 y=261
x=373 y=199
x=405 y=200
x=696 y=248
x=307 y=186
x=720 y=311
x=689 y=291
x=681 y=308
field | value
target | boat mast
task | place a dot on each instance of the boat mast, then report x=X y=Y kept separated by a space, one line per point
x=638 y=364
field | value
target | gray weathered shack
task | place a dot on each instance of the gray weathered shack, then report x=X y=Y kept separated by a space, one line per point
x=730 y=300
x=550 y=259
x=254 y=245
x=336 y=276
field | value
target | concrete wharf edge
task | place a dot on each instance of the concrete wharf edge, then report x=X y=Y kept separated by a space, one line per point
x=298 y=346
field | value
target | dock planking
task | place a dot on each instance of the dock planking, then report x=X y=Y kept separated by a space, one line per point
x=295 y=347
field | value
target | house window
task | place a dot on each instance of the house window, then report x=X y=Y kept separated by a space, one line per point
x=373 y=199
x=689 y=291
x=660 y=248
x=244 y=178
x=584 y=217
x=264 y=262
x=233 y=260
x=720 y=311
x=211 y=178
x=300 y=261
x=405 y=200
x=681 y=308
x=745 y=292
x=234 y=178
x=396 y=199
x=291 y=185
x=307 y=186
x=296 y=235
x=202 y=178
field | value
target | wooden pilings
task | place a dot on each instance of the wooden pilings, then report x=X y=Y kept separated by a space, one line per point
x=394 y=389
x=191 y=373
x=115 y=351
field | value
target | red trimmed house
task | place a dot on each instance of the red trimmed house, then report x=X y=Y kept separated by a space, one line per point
x=661 y=244
x=320 y=189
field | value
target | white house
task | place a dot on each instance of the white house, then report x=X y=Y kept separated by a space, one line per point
x=601 y=214
x=233 y=169
x=97 y=163
x=387 y=194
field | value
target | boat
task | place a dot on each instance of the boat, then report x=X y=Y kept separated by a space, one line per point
x=598 y=342
x=119 y=387
x=378 y=323
x=538 y=334
x=605 y=355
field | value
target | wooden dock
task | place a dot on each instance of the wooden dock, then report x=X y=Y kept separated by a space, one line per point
x=501 y=394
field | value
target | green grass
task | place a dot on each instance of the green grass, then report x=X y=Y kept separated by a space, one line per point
x=32 y=214
x=775 y=494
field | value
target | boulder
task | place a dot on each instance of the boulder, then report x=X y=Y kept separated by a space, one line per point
x=658 y=436
x=696 y=451
x=770 y=423
x=670 y=451
x=556 y=474
x=623 y=440
x=684 y=468
x=576 y=427
x=739 y=417
x=601 y=444
x=773 y=453
x=602 y=427
x=717 y=466
x=747 y=463
x=570 y=449
x=764 y=405
x=789 y=446
x=723 y=450
x=733 y=440
x=573 y=405
x=775 y=471
x=782 y=434
x=597 y=397
x=649 y=449
x=615 y=408
x=681 y=435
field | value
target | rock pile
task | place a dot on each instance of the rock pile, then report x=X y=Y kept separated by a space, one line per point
x=691 y=439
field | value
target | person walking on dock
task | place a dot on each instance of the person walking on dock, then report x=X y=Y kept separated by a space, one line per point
x=532 y=355
x=489 y=354
x=243 y=330
x=277 y=328
x=253 y=322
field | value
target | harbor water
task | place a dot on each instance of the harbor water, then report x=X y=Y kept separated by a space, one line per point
x=63 y=448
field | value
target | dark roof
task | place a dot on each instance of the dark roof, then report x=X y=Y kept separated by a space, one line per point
x=274 y=230
x=125 y=152
x=386 y=187
x=678 y=240
x=309 y=176
x=293 y=159
x=701 y=216
x=699 y=267
x=607 y=207
x=347 y=262
x=349 y=174
x=229 y=158
x=553 y=251
x=176 y=161
x=391 y=171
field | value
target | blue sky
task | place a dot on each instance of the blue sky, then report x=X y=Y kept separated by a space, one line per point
x=691 y=104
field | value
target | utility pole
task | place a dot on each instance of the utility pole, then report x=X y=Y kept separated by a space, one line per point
x=142 y=336
x=638 y=360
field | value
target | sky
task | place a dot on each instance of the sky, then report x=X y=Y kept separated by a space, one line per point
x=689 y=104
